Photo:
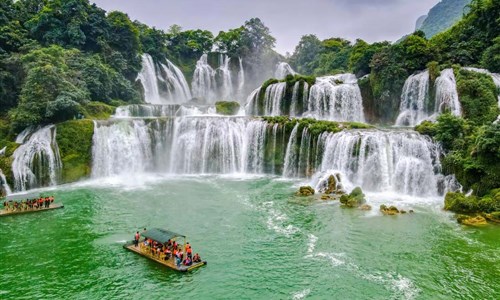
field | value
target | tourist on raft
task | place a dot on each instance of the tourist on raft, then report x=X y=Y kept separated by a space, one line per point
x=28 y=204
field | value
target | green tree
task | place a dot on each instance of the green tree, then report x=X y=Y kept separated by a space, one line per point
x=303 y=58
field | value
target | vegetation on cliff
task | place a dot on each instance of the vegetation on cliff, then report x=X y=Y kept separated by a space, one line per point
x=74 y=139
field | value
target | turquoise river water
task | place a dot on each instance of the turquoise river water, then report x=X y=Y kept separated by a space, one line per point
x=259 y=240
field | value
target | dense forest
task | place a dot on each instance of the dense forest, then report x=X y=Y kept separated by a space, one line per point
x=67 y=59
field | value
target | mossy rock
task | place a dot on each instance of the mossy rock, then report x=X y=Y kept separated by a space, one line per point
x=493 y=217
x=471 y=220
x=74 y=139
x=305 y=191
x=355 y=199
x=389 y=211
x=98 y=110
x=330 y=186
x=227 y=108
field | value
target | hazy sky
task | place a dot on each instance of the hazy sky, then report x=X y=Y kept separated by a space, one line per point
x=371 y=20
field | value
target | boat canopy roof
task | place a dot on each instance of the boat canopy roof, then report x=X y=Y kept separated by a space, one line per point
x=161 y=235
x=20 y=197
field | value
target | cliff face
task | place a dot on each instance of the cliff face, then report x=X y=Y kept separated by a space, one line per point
x=442 y=16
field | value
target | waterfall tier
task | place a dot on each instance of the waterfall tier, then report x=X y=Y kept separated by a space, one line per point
x=334 y=98
x=414 y=107
x=162 y=84
x=446 y=94
x=399 y=161
x=282 y=70
x=416 y=103
x=381 y=161
x=219 y=84
x=36 y=161
x=4 y=186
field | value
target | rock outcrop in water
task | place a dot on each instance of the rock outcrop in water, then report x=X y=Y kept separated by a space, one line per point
x=305 y=191
x=355 y=199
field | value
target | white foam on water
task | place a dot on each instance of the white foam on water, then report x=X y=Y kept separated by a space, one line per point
x=311 y=244
x=301 y=294
x=276 y=220
x=402 y=287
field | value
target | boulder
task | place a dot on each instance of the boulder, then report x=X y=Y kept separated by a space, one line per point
x=471 y=220
x=355 y=199
x=331 y=185
x=390 y=211
x=326 y=197
x=493 y=217
x=305 y=191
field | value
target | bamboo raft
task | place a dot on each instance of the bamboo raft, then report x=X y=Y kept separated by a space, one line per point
x=4 y=213
x=162 y=236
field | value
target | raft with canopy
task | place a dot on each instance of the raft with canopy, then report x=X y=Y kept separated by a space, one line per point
x=162 y=237
x=16 y=204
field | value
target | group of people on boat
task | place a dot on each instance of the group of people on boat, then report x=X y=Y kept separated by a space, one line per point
x=28 y=204
x=168 y=250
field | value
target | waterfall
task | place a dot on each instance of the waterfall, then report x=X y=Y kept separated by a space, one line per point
x=204 y=80
x=414 y=99
x=36 y=162
x=282 y=70
x=383 y=161
x=162 y=84
x=446 y=93
x=177 y=87
x=254 y=152
x=252 y=106
x=335 y=98
x=184 y=145
x=207 y=145
x=4 y=186
x=147 y=77
x=295 y=99
x=214 y=85
x=291 y=157
x=241 y=80
x=226 y=81
x=273 y=99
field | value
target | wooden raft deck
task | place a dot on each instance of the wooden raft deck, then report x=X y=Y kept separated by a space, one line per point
x=4 y=213
x=169 y=263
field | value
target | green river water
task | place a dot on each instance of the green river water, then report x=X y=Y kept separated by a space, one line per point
x=260 y=243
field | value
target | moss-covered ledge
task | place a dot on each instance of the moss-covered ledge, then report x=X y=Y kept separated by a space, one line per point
x=74 y=139
x=315 y=127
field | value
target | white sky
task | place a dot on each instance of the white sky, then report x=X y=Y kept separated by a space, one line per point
x=371 y=20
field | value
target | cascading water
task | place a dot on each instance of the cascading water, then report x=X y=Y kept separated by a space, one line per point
x=226 y=81
x=184 y=145
x=273 y=99
x=4 y=186
x=241 y=80
x=220 y=84
x=446 y=94
x=335 y=98
x=162 y=84
x=203 y=83
x=148 y=78
x=414 y=100
x=282 y=70
x=36 y=162
x=176 y=85
x=380 y=161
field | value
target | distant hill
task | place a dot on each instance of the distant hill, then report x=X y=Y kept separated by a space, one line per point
x=420 y=22
x=442 y=16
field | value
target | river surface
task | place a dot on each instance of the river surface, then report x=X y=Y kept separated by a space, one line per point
x=259 y=240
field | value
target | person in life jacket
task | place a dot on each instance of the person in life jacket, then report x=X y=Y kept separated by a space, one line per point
x=136 y=238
